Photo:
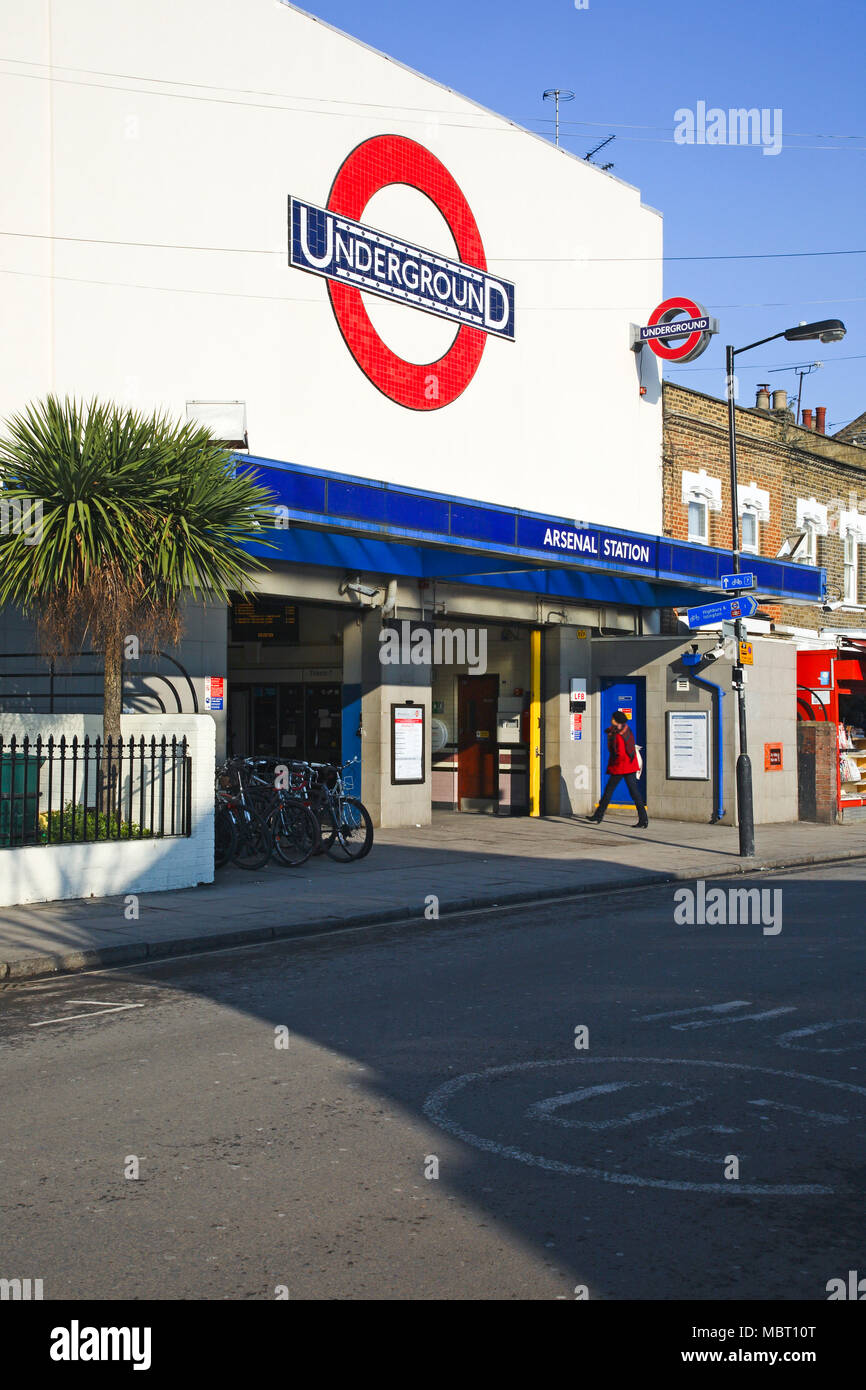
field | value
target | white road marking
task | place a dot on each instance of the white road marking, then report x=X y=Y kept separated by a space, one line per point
x=821 y=1116
x=785 y=1039
x=740 y=1018
x=672 y=1137
x=112 y=1002
x=436 y=1105
x=113 y=1009
x=700 y=1009
x=543 y=1109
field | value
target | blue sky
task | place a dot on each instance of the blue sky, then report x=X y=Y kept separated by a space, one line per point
x=632 y=65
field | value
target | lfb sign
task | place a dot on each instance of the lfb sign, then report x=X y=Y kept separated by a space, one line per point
x=334 y=243
x=679 y=330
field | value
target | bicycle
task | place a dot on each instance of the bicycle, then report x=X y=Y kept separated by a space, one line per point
x=344 y=821
x=285 y=809
x=251 y=844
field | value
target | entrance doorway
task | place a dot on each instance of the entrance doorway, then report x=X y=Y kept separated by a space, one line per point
x=630 y=697
x=286 y=720
x=477 y=782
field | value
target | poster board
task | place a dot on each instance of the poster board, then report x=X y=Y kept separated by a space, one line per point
x=688 y=745
x=408 y=734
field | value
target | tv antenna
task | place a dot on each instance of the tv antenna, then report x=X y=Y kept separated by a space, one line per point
x=558 y=94
x=589 y=157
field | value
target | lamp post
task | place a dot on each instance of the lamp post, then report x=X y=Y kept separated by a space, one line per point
x=829 y=331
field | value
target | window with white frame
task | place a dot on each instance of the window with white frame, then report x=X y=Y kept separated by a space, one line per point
x=753 y=503
x=850 y=584
x=812 y=521
x=701 y=494
x=852 y=533
x=808 y=551
x=699 y=521
x=750 y=533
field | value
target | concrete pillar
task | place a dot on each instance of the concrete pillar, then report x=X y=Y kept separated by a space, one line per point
x=384 y=685
x=568 y=774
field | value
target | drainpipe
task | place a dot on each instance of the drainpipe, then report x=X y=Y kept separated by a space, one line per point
x=718 y=695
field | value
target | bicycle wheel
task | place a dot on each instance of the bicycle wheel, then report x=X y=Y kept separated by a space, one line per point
x=255 y=843
x=295 y=832
x=354 y=837
x=225 y=837
x=321 y=808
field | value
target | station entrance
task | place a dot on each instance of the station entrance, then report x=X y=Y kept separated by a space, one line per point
x=285 y=687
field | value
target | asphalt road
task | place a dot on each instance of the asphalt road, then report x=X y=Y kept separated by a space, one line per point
x=303 y=1168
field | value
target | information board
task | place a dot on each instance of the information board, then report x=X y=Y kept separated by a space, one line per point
x=407 y=743
x=214 y=693
x=264 y=620
x=688 y=745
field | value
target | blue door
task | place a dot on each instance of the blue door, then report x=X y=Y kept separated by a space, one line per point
x=630 y=697
x=352 y=736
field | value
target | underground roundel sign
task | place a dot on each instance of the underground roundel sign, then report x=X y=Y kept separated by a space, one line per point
x=354 y=257
x=678 y=330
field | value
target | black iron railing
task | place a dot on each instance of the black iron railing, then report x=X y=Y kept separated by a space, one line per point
x=77 y=791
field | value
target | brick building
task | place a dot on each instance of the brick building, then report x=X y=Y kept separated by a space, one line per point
x=794 y=480
x=804 y=490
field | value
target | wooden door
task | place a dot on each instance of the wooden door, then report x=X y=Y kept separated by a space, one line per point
x=477 y=698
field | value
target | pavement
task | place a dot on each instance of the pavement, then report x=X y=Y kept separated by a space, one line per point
x=459 y=863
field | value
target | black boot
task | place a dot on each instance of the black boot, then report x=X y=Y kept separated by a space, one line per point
x=595 y=818
x=642 y=823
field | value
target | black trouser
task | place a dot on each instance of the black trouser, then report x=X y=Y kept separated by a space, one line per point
x=634 y=791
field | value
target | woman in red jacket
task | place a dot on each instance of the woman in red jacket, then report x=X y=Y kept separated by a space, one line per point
x=623 y=762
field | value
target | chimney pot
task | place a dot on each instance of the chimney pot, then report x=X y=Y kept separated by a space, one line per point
x=763 y=399
x=780 y=400
x=807 y=419
x=821 y=419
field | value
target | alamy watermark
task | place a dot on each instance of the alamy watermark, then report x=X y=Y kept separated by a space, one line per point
x=440 y=646
x=20 y=1290
x=723 y=907
x=21 y=516
x=77 y=1343
x=852 y=1288
x=737 y=126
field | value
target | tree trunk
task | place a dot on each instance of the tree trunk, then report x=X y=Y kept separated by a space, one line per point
x=112 y=709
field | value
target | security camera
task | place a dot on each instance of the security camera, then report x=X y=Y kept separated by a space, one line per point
x=831 y=607
x=715 y=653
x=357 y=589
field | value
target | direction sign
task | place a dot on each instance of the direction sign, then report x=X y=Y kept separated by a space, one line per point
x=739 y=581
x=743 y=607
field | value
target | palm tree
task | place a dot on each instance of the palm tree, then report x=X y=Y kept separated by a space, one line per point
x=131 y=513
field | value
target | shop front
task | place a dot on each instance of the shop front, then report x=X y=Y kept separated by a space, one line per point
x=831 y=706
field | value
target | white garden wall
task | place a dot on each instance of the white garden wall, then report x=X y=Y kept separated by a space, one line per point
x=43 y=873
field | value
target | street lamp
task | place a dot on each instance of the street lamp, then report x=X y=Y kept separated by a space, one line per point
x=829 y=331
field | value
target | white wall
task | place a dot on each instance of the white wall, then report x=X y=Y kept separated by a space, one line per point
x=45 y=873
x=547 y=422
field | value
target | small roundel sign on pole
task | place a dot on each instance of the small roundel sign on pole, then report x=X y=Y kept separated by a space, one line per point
x=679 y=330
